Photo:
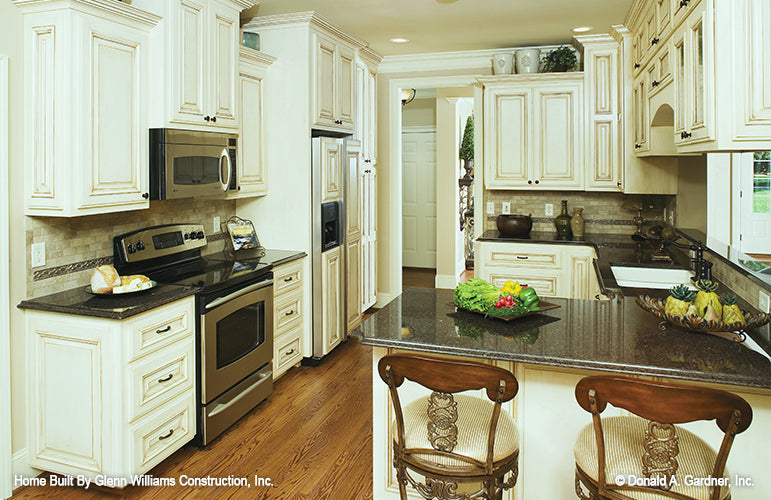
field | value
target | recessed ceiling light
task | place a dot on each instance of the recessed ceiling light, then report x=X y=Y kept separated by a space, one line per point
x=399 y=40
x=582 y=29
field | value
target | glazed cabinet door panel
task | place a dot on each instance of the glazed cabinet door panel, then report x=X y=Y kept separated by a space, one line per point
x=353 y=276
x=603 y=161
x=346 y=88
x=118 y=153
x=223 y=64
x=508 y=137
x=325 y=55
x=189 y=74
x=353 y=189
x=331 y=174
x=332 y=305
x=559 y=137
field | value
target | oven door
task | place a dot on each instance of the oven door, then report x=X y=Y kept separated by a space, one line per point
x=236 y=337
x=197 y=170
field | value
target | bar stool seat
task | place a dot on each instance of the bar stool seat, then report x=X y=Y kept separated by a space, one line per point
x=625 y=437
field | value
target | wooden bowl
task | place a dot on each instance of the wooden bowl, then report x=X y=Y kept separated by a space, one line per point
x=514 y=225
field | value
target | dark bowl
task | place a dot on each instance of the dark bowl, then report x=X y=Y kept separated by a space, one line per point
x=514 y=225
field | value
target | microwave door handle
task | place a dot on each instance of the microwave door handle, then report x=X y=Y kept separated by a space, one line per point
x=225 y=184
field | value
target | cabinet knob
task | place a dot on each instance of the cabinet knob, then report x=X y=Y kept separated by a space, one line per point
x=213 y=118
x=207 y=118
x=145 y=195
x=529 y=182
x=636 y=65
x=654 y=41
x=683 y=3
x=637 y=146
x=655 y=83
x=618 y=184
x=597 y=296
x=537 y=181
x=239 y=188
x=685 y=135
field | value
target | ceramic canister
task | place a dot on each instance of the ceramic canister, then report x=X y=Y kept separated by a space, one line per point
x=503 y=64
x=528 y=60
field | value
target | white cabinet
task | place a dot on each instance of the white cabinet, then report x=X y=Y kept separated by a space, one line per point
x=553 y=270
x=333 y=325
x=533 y=132
x=368 y=207
x=288 y=316
x=252 y=172
x=330 y=160
x=85 y=125
x=334 y=97
x=366 y=104
x=109 y=397
x=196 y=61
x=354 y=184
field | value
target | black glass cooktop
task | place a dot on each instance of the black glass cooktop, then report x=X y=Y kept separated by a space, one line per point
x=211 y=274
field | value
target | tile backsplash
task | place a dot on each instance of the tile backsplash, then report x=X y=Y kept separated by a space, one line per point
x=604 y=212
x=75 y=245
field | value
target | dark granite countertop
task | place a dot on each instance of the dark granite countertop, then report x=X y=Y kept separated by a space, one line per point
x=612 y=335
x=78 y=301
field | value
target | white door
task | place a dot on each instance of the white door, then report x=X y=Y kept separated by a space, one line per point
x=419 y=199
x=756 y=202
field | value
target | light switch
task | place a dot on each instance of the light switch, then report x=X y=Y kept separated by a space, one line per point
x=506 y=208
x=549 y=209
x=490 y=207
x=216 y=224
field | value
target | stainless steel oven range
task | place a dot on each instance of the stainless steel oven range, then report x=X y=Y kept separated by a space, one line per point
x=234 y=331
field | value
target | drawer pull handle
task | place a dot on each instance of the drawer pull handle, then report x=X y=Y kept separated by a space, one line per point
x=163 y=330
x=166 y=379
x=287 y=280
x=520 y=257
x=289 y=313
x=167 y=436
x=289 y=352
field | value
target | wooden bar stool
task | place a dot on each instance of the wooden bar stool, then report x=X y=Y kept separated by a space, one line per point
x=451 y=438
x=650 y=458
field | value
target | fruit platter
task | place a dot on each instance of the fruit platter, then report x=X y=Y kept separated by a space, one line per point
x=507 y=303
x=704 y=311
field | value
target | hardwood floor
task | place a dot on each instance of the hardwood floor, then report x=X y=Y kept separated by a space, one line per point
x=312 y=437
x=418 y=277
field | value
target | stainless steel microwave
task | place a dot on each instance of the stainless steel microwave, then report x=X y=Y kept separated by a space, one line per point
x=191 y=164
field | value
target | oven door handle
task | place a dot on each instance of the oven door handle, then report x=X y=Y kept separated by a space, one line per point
x=221 y=300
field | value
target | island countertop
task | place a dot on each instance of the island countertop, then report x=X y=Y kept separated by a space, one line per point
x=612 y=335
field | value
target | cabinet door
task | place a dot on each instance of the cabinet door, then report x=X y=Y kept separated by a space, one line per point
x=115 y=164
x=508 y=120
x=558 y=137
x=370 y=106
x=353 y=289
x=603 y=162
x=641 y=120
x=353 y=187
x=332 y=303
x=251 y=148
x=223 y=57
x=331 y=174
x=189 y=74
x=325 y=63
x=368 y=205
x=345 y=87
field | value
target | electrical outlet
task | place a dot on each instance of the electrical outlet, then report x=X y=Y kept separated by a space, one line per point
x=549 y=209
x=39 y=254
x=490 y=207
x=506 y=208
x=216 y=224
x=763 y=302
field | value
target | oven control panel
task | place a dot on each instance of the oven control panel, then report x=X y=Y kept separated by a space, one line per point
x=157 y=241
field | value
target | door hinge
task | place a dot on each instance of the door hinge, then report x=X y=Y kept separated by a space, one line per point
x=740 y=237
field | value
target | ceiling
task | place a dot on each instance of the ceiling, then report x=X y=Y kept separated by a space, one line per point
x=453 y=25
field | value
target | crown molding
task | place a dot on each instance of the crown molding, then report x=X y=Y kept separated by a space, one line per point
x=310 y=19
x=619 y=32
x=112 y=7
x=253 y=55
x=488 y=81
x=594 y=39
x=439 y=61
x=634 y=13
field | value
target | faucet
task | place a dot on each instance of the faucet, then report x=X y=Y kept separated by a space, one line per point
x=703 y=267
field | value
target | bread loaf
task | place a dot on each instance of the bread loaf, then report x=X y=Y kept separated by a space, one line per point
x=125 y=280
x=133 y=283
x=104 y=279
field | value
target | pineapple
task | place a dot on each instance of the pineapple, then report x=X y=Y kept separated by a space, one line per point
x=731 y=312
x=707 y=296
x=678 y=302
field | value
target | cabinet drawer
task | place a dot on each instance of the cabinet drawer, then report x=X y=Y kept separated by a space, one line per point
x=545 y=284
x=288 y=277
x=163 y=432
x=288 y=312
x=522 y=255
x=158 y=328
x=161 y=376
x=287 y=351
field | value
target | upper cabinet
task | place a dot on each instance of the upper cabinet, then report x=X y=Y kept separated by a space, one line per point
x=195 y=63
x=86 y=119
x=366 y=103
x=334 y=98
x=533 y=131
x=713 y=52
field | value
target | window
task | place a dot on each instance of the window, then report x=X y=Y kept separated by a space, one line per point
x=761 y=183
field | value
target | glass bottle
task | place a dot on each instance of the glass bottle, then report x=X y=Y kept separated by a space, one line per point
x=562 y=223
x=578 y=223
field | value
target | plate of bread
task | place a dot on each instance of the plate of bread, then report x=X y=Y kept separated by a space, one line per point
x=105 y=280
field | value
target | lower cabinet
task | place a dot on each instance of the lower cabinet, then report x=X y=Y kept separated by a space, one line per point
x=333 y=324
x=110 y=397
x=288 y=316
x=553 y=270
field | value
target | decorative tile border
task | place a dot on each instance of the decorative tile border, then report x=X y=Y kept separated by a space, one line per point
x=548 y=220
x=85 y=265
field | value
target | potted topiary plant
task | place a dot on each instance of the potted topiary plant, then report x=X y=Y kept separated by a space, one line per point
x=467 y=147
x=561 y=59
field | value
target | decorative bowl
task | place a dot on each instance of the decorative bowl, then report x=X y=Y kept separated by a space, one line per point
x=696 y=324
x=514 y=225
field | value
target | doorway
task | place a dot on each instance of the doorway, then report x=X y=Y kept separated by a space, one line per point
x=755 y=220
x=419 y=199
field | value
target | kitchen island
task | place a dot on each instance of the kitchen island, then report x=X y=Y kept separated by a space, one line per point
x=549 y=353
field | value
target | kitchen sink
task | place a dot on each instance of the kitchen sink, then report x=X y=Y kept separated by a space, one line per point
x=651 y=277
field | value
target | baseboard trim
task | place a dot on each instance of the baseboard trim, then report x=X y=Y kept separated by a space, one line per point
x=446 y=281
x=21 y=466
